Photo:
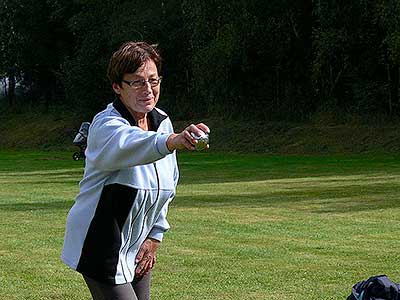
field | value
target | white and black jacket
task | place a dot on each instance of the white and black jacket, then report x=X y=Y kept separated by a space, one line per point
x=130 y=178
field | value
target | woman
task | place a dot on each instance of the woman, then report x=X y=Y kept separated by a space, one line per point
x=119 y=216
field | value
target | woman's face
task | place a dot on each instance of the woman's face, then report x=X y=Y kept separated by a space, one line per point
x=139 y=97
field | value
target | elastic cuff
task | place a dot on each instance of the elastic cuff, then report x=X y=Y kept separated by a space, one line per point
x=161 y=144
x=157 y=234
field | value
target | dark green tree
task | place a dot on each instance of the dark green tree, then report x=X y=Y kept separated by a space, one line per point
x=246 y=59
x=34 y=41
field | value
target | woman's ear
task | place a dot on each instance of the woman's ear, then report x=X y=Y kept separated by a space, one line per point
x=116 y=88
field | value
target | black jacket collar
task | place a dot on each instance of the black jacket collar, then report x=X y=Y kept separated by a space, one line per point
x=154 y=116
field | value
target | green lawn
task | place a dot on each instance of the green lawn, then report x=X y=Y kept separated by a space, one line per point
x=242 y=226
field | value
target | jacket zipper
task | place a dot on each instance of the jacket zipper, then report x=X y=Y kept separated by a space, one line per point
x=158 y=182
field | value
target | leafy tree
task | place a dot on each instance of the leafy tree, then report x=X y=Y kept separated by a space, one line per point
x=388 y=20
x=34 y=41
x=266 y=60
x=11 y=41
x=99 y=28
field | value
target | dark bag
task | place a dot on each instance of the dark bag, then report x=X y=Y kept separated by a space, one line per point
x=375 y=288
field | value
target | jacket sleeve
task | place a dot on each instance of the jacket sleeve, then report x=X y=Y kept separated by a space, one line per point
x=113 y=144
x=176 y=171
x=161 y=226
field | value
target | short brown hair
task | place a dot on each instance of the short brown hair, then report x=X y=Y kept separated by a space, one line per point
x=129 y=57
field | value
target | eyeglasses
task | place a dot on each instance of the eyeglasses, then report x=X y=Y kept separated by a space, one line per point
x=137 y=84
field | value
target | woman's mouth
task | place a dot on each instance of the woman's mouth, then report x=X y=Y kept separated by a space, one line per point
x=146 y=99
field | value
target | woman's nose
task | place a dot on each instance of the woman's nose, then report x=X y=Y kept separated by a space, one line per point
x=147 y=85
x=147 y=88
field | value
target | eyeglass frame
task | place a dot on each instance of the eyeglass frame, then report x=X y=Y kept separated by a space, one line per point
x=143 y=82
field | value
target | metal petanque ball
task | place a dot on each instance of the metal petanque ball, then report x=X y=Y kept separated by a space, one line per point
x=202 y=141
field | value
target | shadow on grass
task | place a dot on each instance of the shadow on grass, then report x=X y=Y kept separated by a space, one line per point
x=328 y=203
x=60 y=181
x=36 y=206
x=355 y=196
x=281 y=201
x=33 y=174
x=213 y=167
x=234 y=168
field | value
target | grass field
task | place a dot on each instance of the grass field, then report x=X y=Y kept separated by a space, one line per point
x=243 y=226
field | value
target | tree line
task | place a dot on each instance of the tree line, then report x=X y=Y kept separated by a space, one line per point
x=264 y=60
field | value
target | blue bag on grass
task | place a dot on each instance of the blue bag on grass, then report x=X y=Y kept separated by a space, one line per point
x=378 y=287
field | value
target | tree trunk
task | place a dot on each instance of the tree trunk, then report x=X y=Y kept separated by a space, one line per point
x=11 y=88
x=390 y=89
x=4 y=80
x=394 y=87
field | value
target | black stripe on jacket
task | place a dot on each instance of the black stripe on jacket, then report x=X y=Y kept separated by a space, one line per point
x=100 y=252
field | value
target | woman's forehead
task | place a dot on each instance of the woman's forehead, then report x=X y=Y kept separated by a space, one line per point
x=147 y=67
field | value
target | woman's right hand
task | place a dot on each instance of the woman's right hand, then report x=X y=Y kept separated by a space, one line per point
x=185 y=140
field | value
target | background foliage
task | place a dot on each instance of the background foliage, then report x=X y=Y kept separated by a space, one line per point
x=268 y=60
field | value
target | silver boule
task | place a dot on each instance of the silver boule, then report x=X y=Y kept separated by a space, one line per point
x=202 y=141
